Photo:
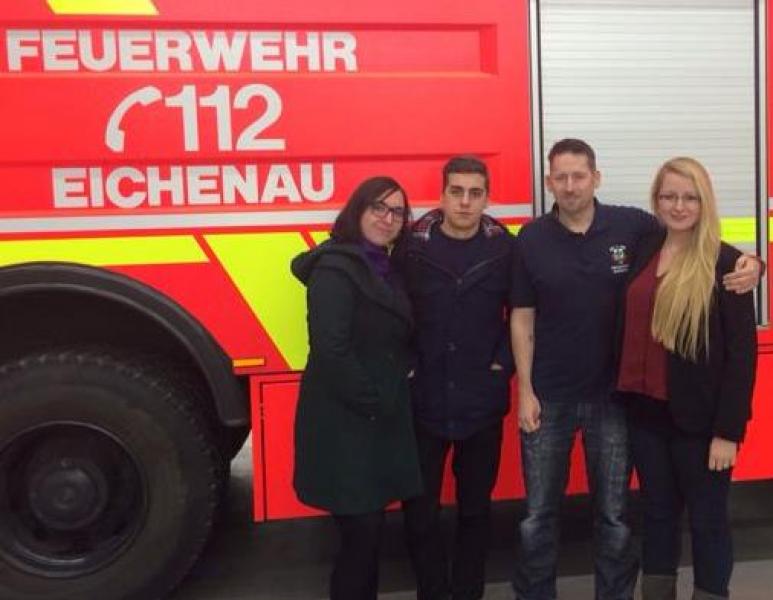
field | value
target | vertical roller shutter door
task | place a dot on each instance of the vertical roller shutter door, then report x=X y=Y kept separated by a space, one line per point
x=645 y=81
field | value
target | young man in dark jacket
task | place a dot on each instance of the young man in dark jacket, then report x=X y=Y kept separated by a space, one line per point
x=457 y=272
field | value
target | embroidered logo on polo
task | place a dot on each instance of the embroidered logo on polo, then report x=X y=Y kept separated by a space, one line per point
x=620 y=258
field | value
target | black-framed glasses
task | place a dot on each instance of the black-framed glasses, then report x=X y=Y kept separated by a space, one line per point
x=381 y=210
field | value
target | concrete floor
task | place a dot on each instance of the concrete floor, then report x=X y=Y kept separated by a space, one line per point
x=290 y=560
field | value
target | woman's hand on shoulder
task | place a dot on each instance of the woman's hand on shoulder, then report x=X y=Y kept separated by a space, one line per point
x=722 y=454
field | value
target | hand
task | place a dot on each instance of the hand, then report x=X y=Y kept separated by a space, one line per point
x=745 y=277
x=411 y=373
x=722 y=454
x=496 y=367
x=529 y=410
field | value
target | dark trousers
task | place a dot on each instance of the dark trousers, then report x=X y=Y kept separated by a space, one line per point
x=475 y=465
x=355 y=574
x=674 y=474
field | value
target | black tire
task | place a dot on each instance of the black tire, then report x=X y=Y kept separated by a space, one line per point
x=109 y=478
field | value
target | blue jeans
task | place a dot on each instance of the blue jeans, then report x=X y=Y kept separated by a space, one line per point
x=545 y=454
x=673 y=472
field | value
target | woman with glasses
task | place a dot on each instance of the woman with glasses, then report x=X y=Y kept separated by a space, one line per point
x=355 y=450
x=687 y=367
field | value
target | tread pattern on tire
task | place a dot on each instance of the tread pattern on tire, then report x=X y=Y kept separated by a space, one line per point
x=133 y=367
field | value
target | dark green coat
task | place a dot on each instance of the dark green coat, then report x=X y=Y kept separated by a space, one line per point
x=355 y=449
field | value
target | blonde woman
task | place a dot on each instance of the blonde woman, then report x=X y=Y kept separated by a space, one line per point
x=687 y=367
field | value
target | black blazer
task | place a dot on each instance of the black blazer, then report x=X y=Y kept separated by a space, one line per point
x=712 y=395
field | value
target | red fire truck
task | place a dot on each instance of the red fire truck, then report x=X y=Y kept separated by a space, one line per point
x=162 y=161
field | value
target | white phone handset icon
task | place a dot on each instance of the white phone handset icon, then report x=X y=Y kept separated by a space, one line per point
x=114 y=135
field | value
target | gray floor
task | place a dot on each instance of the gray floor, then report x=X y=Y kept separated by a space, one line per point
x=290 y=560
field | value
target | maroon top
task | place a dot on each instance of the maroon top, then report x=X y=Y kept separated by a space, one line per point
x=643 y=361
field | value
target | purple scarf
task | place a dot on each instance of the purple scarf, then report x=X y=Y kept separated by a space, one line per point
x=377 y=257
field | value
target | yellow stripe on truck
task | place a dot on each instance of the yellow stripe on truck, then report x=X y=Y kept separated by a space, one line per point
x=113 y=251
x=102 y=7
x=738 y=230
x=735 y=230
x=319 y=236
x=259 y=265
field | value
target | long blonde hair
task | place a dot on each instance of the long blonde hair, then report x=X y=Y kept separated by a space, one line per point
x=683 y=299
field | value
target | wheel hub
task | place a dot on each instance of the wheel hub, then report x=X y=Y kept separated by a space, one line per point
x=68 y=494
x=72 y=498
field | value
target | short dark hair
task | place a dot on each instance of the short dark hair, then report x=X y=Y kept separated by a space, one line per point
x=573 y=146
x=465 y=163
x=347 y=225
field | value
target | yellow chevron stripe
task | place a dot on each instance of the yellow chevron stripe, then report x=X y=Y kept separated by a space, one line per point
x=102 y=7
x=319 y=236
x=514 y=229
x=259 y=265
x=115 y=251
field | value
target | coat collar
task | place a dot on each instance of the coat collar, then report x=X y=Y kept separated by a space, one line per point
x=350 y=260
x=423 y=228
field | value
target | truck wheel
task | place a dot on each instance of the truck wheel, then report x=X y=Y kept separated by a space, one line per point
x=108 y=478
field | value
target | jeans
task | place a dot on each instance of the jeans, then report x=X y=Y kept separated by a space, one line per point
x=673 y=473
x=355 y=573
x=545 y=454
x=475 y=466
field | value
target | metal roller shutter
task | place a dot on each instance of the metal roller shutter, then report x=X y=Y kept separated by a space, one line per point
x=645 y=81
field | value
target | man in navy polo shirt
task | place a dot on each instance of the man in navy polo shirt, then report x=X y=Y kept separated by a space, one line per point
x=569 y=270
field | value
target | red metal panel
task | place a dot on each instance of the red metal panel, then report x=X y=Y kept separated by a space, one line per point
x=258 y=472
x=279 y=397
x=425 y=80
x=755 y=460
